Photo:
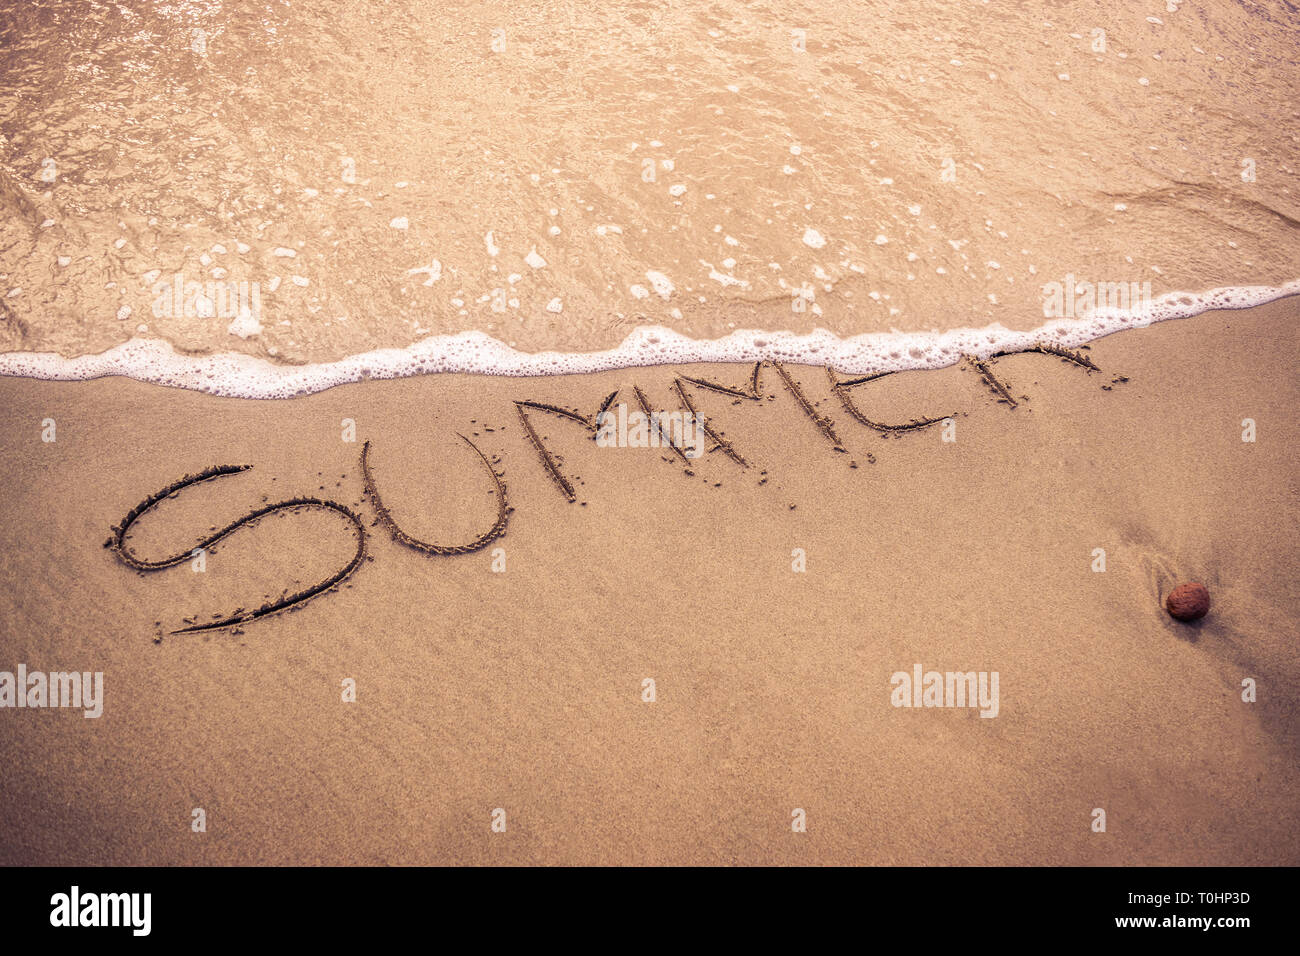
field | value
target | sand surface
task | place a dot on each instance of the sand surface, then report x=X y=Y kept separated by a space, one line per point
x=523 y=689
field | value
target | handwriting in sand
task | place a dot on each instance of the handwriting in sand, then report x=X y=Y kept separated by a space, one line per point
x=751 y=390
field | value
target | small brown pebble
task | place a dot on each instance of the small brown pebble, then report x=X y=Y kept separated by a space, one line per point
x=1188 y=602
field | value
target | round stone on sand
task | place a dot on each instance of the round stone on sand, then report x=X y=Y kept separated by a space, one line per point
x=1188 y=602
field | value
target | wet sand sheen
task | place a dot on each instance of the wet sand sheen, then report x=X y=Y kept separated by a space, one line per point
x=522 y=689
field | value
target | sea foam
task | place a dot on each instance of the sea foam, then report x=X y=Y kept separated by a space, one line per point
x=243 y=376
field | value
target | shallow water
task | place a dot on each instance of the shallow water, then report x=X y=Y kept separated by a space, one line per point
x=564 y=173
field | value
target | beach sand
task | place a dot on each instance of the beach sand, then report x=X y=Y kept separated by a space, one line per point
x=522 y=689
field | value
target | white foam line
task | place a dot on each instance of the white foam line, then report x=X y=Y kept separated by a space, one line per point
x=242 y=376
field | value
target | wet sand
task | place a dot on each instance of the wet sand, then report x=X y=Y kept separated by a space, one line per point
x=523 y=689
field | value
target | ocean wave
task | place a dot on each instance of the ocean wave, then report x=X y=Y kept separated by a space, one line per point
x=243 y=376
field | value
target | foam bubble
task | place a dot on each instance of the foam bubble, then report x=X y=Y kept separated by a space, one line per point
x=244 y=376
